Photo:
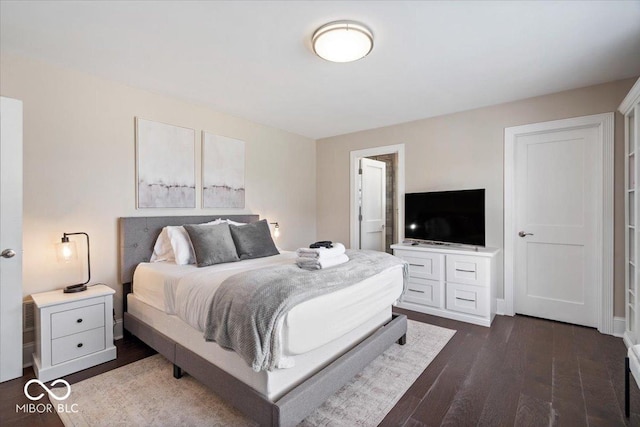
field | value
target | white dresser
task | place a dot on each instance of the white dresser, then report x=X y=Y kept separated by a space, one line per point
x=448 y=281
x=73 y=331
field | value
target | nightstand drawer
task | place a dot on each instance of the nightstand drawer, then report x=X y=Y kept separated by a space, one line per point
x=423 y=291
x=77 y=345
x=467 y=299
x=77 y=320
x=468 y=270
x=422 y=264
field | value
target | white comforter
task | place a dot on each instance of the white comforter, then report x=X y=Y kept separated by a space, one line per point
x=187 y=291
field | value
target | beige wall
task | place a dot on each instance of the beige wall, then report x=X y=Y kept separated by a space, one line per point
x=465 y=150
x=79 y=167
x=79 y=164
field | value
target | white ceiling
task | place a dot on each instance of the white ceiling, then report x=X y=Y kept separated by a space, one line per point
x=253 y=59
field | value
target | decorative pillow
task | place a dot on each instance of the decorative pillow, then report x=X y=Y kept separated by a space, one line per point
x=173 y=244
x=253 y=240
x=212 y=244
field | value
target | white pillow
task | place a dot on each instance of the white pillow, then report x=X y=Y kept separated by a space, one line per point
x=181 y=245
x=233 y=222
x=173 y=244
x=162 y=250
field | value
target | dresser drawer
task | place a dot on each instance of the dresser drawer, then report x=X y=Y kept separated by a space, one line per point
x=422 y=264
x=467 y=299
x=81 y=319
x=423 y=291
x=77 y=345
x=467 y=270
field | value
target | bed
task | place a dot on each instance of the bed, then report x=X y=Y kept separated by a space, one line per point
x=328 y=339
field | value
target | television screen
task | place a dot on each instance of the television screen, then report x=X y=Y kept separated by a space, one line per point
x=445 y=216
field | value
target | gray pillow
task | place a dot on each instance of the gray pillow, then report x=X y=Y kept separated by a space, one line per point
x=212 y=244
x=253 y=240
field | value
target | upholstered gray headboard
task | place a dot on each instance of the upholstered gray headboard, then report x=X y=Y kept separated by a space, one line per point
x=138 y=236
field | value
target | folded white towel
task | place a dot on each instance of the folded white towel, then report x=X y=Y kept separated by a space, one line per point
x=317 y=263
x=321 y=253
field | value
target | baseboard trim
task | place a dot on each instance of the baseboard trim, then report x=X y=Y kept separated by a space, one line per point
x=118 y=330
x=618 y=322
x=618 y=327
x=627 y=340
x=27 y=352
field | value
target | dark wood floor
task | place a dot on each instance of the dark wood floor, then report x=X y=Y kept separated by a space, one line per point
x=520 y=372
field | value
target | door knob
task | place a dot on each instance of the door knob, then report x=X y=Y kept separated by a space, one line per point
x=8 y=253
x=523 y=234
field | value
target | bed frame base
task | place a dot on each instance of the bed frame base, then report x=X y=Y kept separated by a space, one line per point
x=627 y=371
x=402 y=340
x=177 y=372
x=298 y=403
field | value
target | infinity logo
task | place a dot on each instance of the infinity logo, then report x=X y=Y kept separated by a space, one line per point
x=48 y=390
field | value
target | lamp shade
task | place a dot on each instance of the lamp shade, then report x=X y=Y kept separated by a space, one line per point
x=342 y=41
x=66 y=251
x=276 y=229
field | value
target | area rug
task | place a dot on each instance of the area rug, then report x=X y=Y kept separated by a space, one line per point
x=144 y=393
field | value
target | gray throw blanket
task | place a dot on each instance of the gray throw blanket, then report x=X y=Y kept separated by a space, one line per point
x=247 y=306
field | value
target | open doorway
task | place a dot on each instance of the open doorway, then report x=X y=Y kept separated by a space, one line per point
x=377 y=186
x=388 y=199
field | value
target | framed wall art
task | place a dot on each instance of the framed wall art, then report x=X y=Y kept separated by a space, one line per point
x=222 y=172
x=166 y=176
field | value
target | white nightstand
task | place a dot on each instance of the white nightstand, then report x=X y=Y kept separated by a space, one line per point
x=73 y=331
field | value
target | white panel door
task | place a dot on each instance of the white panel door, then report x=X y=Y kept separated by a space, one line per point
x=556 y=221
x=10 y=238
x=372 y=204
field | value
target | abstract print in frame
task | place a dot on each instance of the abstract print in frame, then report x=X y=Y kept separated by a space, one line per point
x=222 y=172
x=166 y=173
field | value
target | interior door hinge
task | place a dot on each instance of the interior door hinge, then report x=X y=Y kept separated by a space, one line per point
x=360 y=171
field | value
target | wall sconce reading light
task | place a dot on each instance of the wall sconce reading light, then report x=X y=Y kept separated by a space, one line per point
x=66 y=251
x=276 y=229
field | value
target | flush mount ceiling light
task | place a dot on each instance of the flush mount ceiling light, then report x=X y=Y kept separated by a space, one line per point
x=342 y=41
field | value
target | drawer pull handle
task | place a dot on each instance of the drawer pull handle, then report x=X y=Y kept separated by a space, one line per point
x=79 y=320
x=466 y=271
x=466 y=299
x=80 y=345
x=416 y=265
x=413 y=290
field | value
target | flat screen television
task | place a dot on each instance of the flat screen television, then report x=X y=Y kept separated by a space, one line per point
x=445 y=216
